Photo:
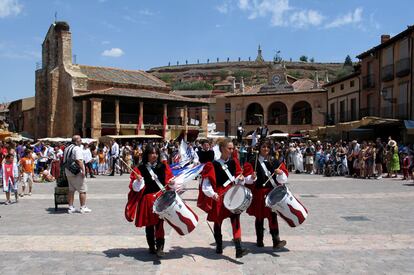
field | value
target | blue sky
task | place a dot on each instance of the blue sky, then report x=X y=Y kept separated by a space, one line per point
x=144 y=34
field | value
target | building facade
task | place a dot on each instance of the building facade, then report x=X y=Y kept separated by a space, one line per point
x=22 y=116
x=284 y=104
x=94 y=101
x=343 y=99
x=387 y=78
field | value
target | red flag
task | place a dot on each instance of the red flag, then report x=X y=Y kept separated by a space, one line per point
x=164 y=126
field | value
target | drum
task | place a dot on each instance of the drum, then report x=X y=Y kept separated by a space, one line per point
x=237 y=199
x=282 y=201
x=170 y=207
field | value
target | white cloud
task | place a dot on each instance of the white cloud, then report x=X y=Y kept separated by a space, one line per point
x=354 y=17
x=146 y=12
x=278 y=11
x=302 y=19
x=105 y=42
x=224 y=7
x=9 y=8
x=114 y=52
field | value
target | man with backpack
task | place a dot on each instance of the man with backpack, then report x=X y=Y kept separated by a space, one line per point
x=75 y=173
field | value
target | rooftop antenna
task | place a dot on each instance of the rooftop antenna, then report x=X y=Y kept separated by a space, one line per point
x=55 y=16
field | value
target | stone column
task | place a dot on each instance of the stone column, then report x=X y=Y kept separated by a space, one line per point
x=84 y=111
x=117 y=124
x=96 y=114
x=204 y=120
x=141 y=130
x=185 y=121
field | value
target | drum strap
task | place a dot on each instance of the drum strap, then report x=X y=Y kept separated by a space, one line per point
x=267 y=173
x=155 y=178
x=229 y=175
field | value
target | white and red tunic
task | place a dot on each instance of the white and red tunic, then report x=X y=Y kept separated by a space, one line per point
x=9 y=175
x=258 y=207
x=143 y=194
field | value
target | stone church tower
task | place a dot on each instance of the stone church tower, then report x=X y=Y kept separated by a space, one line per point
x=54 y=90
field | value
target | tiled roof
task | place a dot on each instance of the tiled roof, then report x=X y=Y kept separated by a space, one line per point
x=105 y=74
x=303 y=84
x=142 y=93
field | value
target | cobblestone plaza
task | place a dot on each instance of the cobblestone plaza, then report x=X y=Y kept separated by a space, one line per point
x=353 y=227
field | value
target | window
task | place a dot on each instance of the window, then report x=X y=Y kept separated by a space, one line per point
x=404 y=50
x=333 y=90
x=342 y=87
x=388 y=56
x=353 y=109
x=342 y=111
x=386 y=102
x=227 y=108
x=332 y=113
x=402 y=100
x=352 y=83
x=370 y=105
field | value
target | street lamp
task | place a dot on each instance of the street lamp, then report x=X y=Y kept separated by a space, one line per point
x=384 y=94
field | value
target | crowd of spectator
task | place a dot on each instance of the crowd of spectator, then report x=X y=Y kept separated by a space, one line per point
x=41 y=161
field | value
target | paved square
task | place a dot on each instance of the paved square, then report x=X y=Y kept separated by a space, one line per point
x=353 y=227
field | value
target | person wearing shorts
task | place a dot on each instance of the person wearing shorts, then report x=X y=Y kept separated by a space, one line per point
x=76 y=182
x=26 y=170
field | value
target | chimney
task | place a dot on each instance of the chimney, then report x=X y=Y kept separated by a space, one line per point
x=316 y=81
x=326 y=77
x=242 y=85
x=233 y=84
x=385 y=38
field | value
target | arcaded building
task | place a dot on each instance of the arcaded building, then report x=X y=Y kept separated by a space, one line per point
x=94 y=101
x=285 y=104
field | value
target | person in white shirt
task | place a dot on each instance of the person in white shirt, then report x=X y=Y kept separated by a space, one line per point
x=76 y=182
x=87 y=158
x=114 y=156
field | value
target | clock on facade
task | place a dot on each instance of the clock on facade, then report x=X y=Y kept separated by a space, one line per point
x=276 y=79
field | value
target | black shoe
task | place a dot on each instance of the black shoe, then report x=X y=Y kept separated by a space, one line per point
x=219 y=243
x=277 y=243
x=259 y=233
x=240 y=252
x=151 y=244
x=92 y=177
x=160 y=247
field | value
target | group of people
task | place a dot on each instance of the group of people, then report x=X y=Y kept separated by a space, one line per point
x=260 y=174
x=366 y=159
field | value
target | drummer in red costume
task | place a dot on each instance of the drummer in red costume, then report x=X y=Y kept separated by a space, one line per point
x=144 y=190
x=265 y=166
x=217 y=177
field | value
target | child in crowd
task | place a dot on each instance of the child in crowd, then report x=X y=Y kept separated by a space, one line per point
x=26 y=170
x=405 y=165
x=9 y=174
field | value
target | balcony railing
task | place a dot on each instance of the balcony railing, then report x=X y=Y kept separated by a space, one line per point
x=368 y=81
x=403 y=67
x=387 y=72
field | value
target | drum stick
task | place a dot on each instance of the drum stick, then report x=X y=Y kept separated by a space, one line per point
x=209 y=226
x=264 y=184
x=136 y=174
x=130 y=168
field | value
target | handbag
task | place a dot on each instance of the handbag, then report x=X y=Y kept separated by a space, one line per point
x=71 y=164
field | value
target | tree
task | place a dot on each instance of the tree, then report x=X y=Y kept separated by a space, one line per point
x=312 y=60
x=303 y=58
x=348 y=61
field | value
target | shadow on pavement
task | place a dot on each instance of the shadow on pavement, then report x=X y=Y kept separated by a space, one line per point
x=51 y=210
x=205 y=252
x=140 y=254
x=408 y=184
x=175 y=252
